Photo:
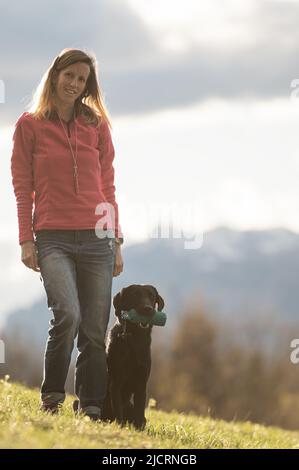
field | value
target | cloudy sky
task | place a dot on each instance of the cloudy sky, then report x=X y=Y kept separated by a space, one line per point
x=205 y=121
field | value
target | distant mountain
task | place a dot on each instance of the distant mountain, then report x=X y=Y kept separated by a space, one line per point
x=235 y=274
x=233 y=271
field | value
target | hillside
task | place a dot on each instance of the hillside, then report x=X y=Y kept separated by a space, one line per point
x=23 y=425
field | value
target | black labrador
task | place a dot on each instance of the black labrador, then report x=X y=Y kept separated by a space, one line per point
x=129 y=356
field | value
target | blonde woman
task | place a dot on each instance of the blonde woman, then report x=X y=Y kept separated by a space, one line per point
x=62 y=162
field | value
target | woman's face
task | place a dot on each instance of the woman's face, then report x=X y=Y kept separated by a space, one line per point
x=71 y=82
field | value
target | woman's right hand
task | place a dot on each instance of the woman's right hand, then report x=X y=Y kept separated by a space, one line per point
x=29 y=255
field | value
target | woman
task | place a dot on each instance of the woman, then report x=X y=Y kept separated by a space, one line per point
x=62 y=161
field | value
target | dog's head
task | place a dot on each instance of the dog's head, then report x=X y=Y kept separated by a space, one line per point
x=142 y=298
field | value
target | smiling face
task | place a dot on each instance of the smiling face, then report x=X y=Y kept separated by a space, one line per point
x=71 y=83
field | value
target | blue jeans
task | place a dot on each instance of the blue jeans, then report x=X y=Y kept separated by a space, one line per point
x=77 y=271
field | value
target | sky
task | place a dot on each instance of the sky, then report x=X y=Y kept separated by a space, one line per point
x=200 y=99
x=205 y=120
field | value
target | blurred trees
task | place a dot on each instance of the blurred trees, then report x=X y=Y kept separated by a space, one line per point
x=208 y=371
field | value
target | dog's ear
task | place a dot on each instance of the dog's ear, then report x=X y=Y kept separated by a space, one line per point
x=117 y=299
x=159 y=300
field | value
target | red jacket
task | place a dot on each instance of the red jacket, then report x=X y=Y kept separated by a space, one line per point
x=42 y=175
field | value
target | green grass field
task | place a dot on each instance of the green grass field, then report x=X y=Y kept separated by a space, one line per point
x=23 y=425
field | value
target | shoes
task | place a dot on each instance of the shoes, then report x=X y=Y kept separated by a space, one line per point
x=88 y=411
x=93 y=417
x=51 y=409
x=76 y=406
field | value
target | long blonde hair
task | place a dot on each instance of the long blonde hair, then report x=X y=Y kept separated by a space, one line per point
x=90 y=104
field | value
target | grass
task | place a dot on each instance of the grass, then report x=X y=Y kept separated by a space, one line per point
x=24 y=426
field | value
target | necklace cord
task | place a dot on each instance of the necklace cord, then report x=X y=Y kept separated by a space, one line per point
x=75 y=165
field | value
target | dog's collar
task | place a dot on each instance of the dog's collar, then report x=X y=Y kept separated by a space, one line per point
x=124 y=333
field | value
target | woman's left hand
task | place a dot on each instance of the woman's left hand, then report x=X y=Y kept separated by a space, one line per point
x=118 y=264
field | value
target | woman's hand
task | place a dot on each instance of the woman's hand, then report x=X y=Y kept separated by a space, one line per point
x=29 y=255
x=118 y=264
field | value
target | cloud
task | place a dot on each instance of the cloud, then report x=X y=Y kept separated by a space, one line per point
x=136 y=73
x=35 y=32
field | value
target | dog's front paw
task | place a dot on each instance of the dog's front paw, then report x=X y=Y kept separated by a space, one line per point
x=140 y=424
x=121 y=422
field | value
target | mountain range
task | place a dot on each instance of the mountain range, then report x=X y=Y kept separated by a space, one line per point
x=234 y=274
